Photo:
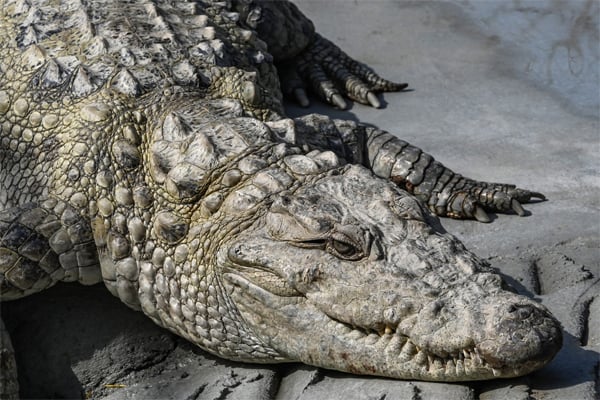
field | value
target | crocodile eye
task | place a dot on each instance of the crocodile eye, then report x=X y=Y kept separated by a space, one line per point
x=344 y=249
x=339 y=245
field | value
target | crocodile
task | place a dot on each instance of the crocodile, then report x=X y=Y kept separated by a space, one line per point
x=145 y=145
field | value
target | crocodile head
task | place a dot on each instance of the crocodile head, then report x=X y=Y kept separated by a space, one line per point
x=348 y=272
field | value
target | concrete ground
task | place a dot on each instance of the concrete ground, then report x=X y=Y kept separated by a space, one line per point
x=503 y=91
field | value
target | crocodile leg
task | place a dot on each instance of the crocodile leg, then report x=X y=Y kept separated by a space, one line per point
x=307 y=61
x=445 y=192
x=41 y=244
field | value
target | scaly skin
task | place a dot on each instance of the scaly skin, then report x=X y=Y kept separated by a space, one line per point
x=144 y=145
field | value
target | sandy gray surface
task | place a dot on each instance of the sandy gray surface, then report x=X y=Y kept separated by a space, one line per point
x=503 y=91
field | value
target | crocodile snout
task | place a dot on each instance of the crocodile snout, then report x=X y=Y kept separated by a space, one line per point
x=520 y=333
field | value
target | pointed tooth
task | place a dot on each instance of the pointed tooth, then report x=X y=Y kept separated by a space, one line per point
x=460 y=368
x=496 y=372
x=450 y=367
x=421 y=358
x=475 y=357
x=407 y=352
x=388 y=330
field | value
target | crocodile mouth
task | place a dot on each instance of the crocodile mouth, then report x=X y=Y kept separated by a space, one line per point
x=468 y=363
x=464 y=364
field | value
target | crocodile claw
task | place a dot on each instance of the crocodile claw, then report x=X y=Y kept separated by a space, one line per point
x=474 y=198
x=373 y=100
x=516 y=206
x=338 y=101
x=480 y=215
x=301 y=97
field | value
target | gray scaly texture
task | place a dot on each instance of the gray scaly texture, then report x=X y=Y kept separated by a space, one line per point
x=144 y=144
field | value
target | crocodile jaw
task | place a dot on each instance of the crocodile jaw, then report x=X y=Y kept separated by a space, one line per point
x=494 y=343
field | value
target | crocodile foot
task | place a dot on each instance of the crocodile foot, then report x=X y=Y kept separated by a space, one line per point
x=332 y=74
x=476 y=198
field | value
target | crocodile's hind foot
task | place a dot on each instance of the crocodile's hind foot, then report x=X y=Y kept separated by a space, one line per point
x=332 y=74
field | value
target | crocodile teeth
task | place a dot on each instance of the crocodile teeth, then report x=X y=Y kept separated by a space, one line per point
x=477 y=358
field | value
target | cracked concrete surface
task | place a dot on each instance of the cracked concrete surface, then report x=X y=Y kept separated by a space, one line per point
x=505 y=91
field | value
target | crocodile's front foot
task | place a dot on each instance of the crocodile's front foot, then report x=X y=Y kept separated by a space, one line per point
x=470 y=199
x=332 y=74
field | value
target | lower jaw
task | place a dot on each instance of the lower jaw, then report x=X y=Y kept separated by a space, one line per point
x=396 y=356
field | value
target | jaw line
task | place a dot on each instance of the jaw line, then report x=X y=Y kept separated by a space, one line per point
x=345 y=344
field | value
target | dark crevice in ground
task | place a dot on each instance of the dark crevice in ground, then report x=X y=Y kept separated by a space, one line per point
x=535 y=275
x=585 y=316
